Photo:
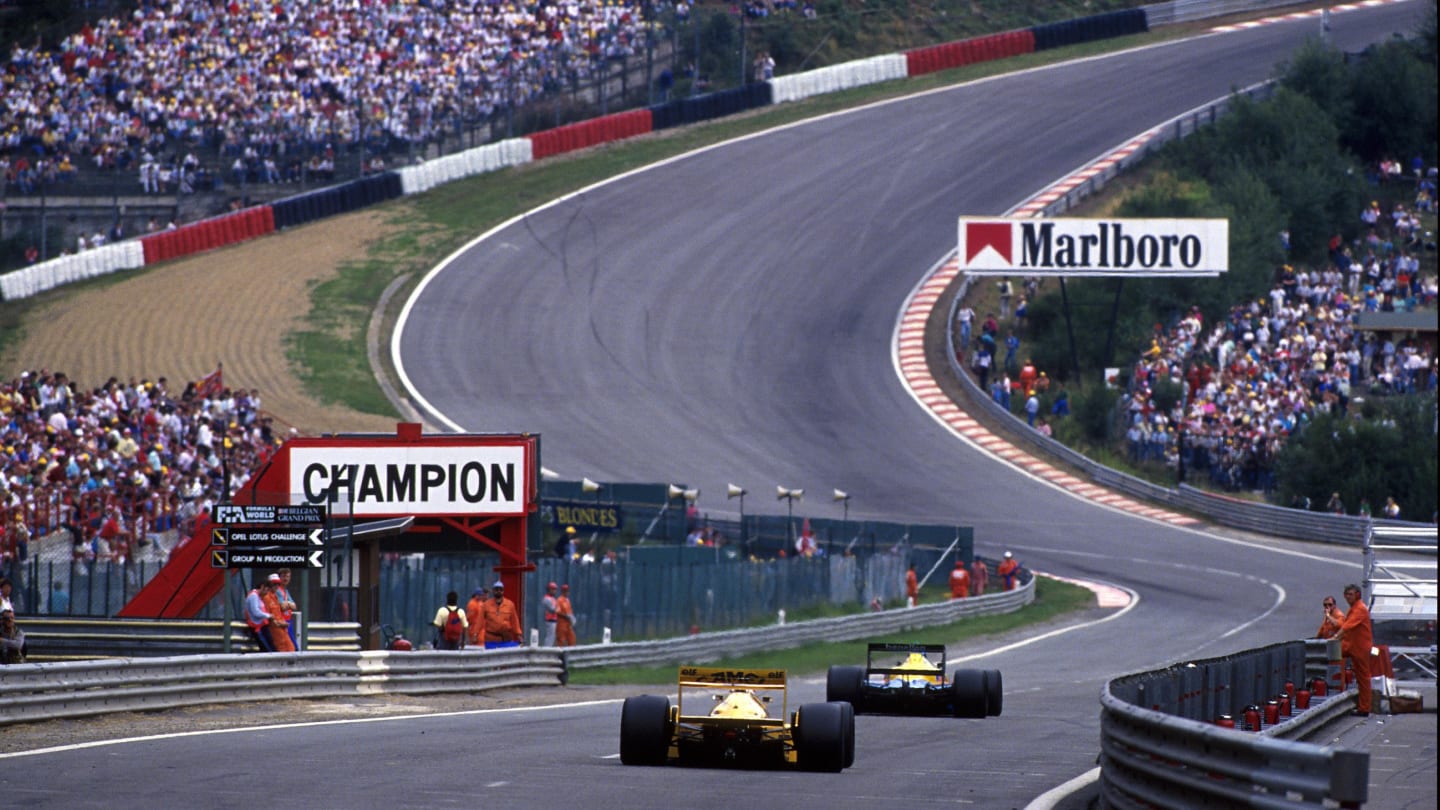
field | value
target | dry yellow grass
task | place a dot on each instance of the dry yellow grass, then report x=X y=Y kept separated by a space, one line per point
x=233 y=306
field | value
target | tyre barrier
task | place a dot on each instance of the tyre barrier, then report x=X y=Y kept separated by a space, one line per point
x=47 y=275
x=208 y=234
x=488 y=158
x=584 y=134
x=874 y=70
x=711 y=105
x=948 y=55
x=366 y=192
x=1088 y=29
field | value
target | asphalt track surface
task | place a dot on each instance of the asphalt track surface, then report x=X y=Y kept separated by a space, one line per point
x=728 y=317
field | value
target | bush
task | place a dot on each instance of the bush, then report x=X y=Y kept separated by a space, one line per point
x=1093 y=407
x=1371 y=458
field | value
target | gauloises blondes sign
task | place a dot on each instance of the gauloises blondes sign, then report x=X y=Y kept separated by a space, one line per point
x=1094 y=247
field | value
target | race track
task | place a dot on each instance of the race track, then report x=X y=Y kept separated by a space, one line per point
x=728 y=317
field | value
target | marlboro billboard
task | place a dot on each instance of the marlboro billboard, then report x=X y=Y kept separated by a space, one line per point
x=1094 y=247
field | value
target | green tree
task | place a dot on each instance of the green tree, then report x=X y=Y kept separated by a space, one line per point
x=1394 y=105
x=1389 y=453
x=1291 y=146
x=1114 y=318
x=1093 y=407
x=1319 y=73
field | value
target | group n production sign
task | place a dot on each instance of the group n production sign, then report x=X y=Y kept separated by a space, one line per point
x=1023 y=246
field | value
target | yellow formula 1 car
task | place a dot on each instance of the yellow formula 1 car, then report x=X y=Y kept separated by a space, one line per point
x=910 y=679
x=724 y=717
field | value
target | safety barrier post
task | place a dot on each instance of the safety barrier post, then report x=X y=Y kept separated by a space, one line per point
x=1334 y=667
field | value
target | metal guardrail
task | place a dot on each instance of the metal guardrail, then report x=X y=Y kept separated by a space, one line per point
x=1182 y=11
x=52 y=639
x=33 y=692
x=1160 y=746
x=704 y=647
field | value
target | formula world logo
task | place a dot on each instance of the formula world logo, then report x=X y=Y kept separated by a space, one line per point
x=1094 y=247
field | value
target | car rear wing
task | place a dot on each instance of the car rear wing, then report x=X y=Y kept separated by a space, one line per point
x=714 y=680
x=721 y=677
x=934 y=653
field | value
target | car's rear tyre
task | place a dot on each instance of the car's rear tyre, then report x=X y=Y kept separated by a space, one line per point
x=645 y=730
x=847 y=722
x=994 y=693
x=846 y=684
x=822 y=736
x=967 y=693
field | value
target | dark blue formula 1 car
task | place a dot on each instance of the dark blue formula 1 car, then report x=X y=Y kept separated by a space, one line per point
x=910 y=679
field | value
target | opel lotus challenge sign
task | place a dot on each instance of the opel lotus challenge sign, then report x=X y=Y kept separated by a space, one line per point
x=1094 y=247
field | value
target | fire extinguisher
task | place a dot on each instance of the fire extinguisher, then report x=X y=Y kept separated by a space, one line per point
x=1252 y=717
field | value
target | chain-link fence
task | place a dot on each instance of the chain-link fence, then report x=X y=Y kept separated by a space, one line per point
x=646 y=564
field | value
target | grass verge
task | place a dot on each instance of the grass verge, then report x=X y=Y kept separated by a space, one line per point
x=1052 y=599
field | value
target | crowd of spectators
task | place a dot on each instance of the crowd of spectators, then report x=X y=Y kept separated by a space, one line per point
x=273 y=84
x=121 y=464
x=1248 y=381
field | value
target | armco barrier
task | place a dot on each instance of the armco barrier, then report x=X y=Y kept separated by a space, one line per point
x=31 y=692
x=1179 y=11
x=703 y=647
x=1157 y=751
x=60 y=639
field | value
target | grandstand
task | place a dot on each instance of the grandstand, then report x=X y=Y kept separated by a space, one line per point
x=175 y=112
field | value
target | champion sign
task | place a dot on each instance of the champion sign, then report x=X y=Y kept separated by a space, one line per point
x=1094 y=247
x=476 y=480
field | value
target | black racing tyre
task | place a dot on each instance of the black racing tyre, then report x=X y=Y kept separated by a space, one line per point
x=846 y=684
x=967 y=693
x=820 y=737
x=847 y=724
x=645 y=730
x=994 y=693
